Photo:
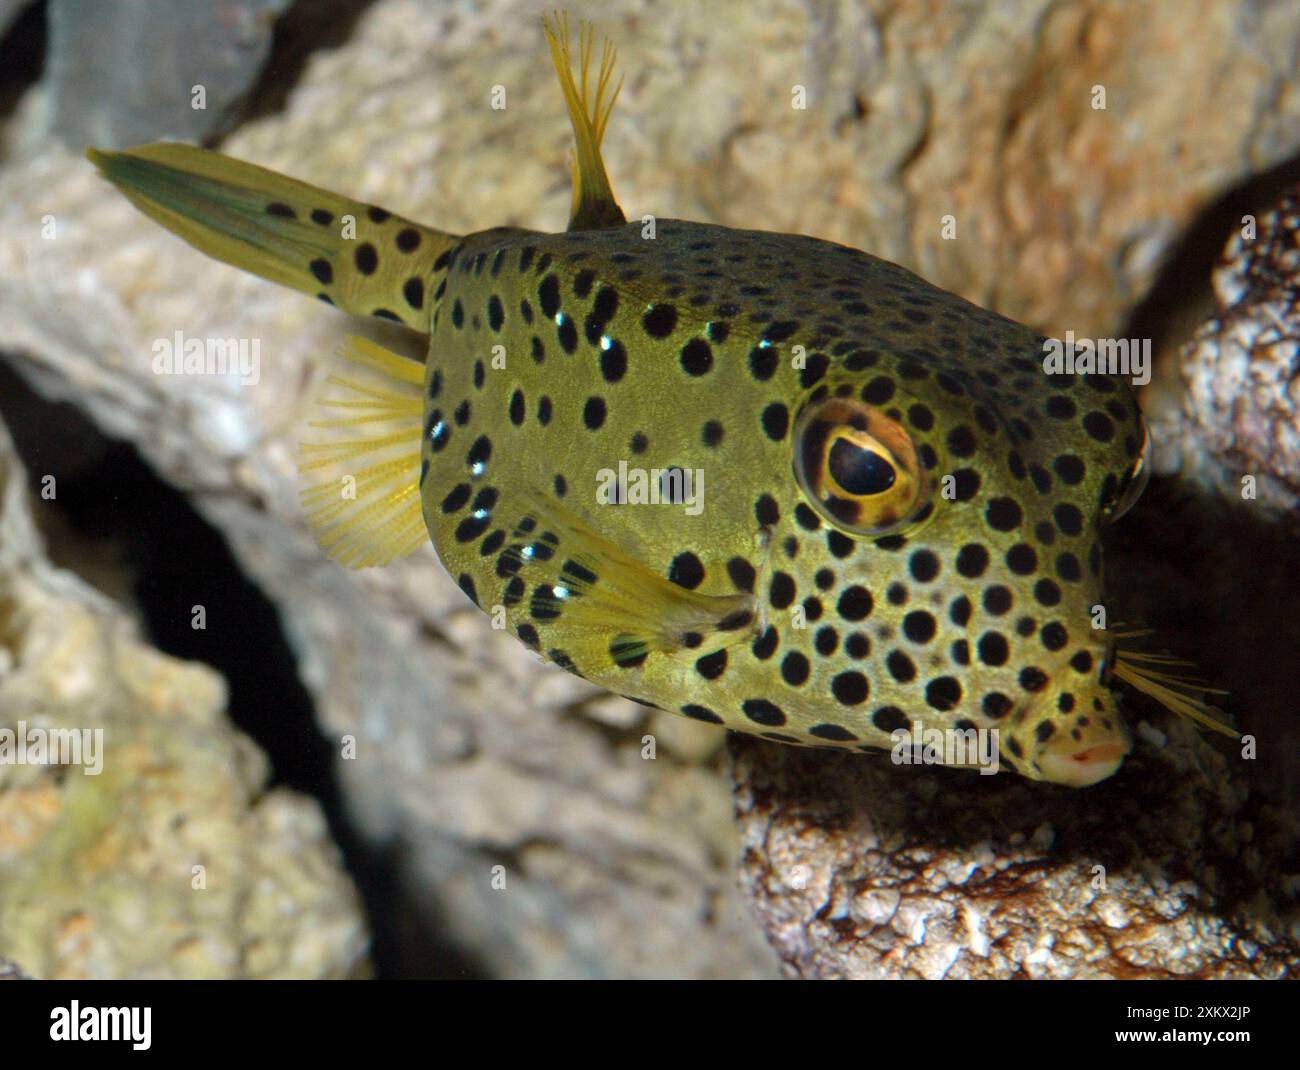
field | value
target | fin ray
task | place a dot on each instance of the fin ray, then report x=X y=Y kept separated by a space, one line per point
x=368 y=515
x=1179 y=693
x=594 y=205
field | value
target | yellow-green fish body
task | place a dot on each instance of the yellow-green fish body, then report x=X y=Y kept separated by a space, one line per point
x=705 y=350
x=759 y=479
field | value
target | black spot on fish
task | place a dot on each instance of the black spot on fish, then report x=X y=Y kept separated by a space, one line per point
x=466 y=583
x=763 y=712
x=456 y=498
x=850 y=688
x=711 y=666
x=696 y=357
x=413 y=291
x=567 y=333
x=762 y=363
x=776 y=421
x=659 y=321
x=548 y=296
x=367 y=260
x=766 y=511
x=614 y=362
x=686 y=570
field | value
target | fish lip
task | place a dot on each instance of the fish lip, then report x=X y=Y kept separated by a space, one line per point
x=1083 y=768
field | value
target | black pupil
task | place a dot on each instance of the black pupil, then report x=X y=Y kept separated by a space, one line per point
x=860 y=471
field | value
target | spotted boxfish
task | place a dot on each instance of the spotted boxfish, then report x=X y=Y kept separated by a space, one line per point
x=759 y=479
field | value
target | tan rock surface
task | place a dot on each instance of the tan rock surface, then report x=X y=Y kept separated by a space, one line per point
x=1238 y=427
x=470 y=754
x=174 y=860
x=870 y=870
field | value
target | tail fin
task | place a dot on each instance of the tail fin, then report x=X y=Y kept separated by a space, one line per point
x=361 y=258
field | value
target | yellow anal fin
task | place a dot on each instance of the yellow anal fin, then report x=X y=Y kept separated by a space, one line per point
x=577 y=592
x=593 y=200
x=364 y=506
x=359 y=257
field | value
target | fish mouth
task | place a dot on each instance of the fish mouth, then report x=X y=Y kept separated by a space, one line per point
x=1077 y=745
x=1083 y=766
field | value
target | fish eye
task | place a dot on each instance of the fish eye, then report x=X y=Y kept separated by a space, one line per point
x=1134 y=482
x=858 y=467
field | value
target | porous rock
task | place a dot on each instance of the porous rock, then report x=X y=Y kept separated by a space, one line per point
x=867 y=869
x=163 y=853
x=1238 y=428
x=471 y=756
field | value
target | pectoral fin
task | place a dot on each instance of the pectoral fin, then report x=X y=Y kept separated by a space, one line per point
x=363 y=501
x=592 y=606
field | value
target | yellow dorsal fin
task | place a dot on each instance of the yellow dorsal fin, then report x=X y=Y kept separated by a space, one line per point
x=593 y=200
x=365 y=507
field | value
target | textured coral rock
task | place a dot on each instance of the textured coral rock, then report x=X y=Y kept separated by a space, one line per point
x=173 y=860
x=1240 y=411
x=470 y=755
x=870 y=870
